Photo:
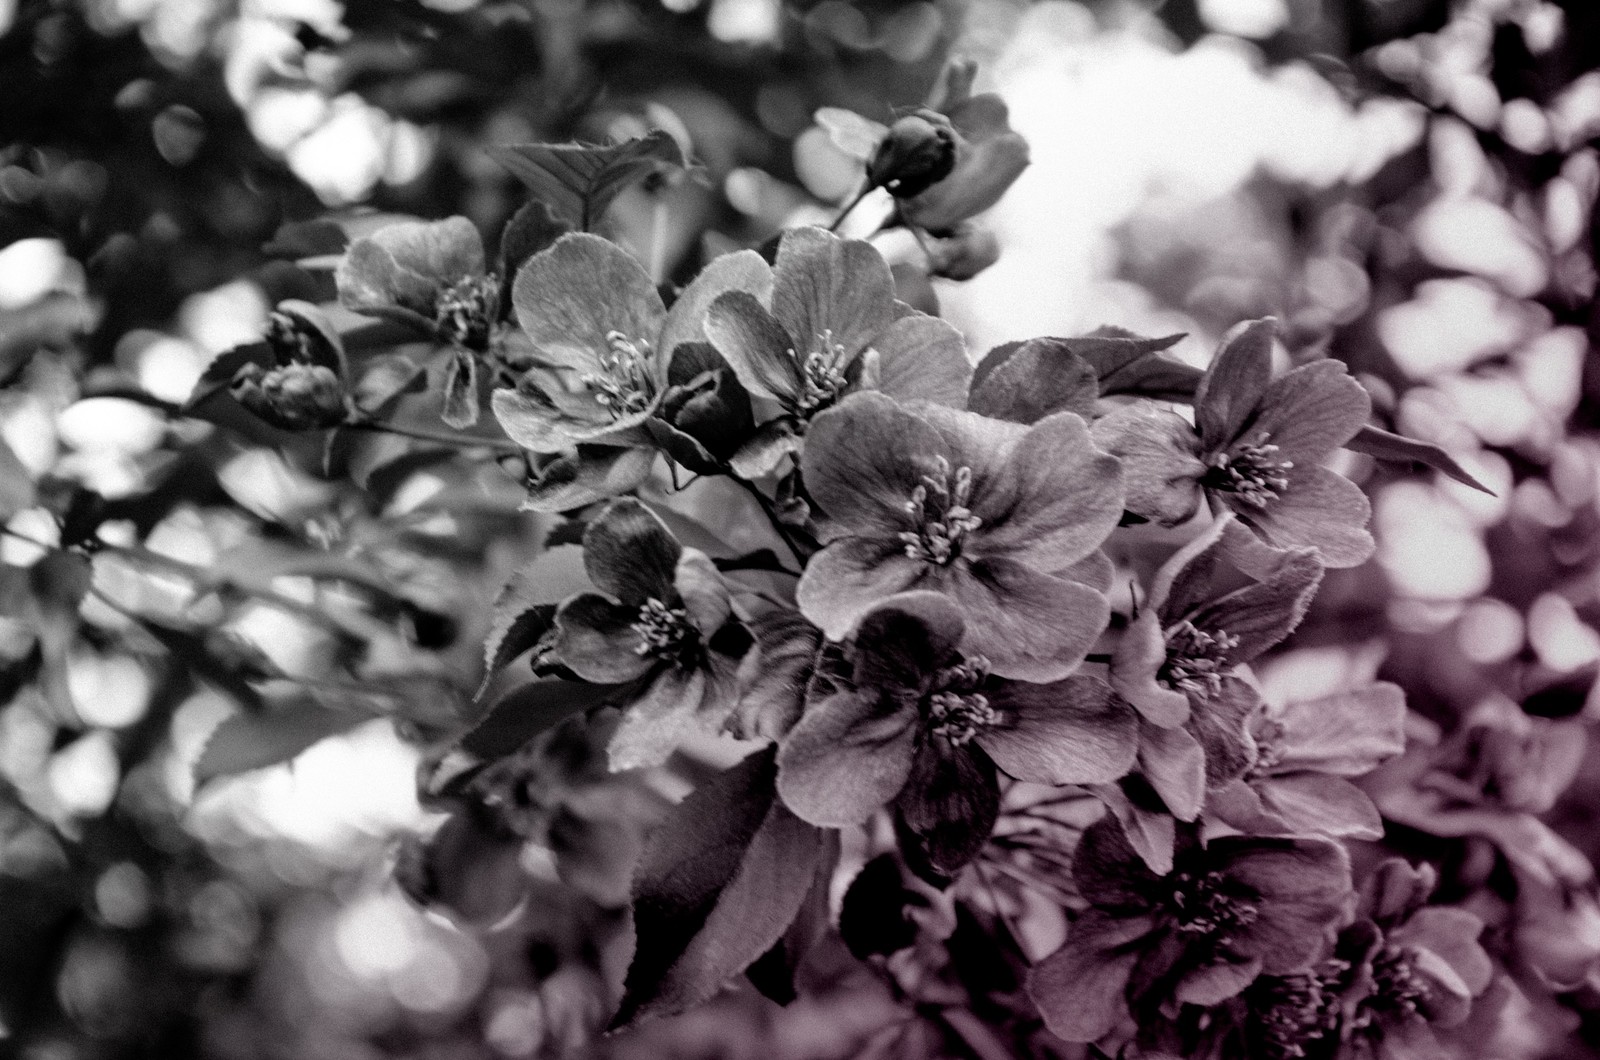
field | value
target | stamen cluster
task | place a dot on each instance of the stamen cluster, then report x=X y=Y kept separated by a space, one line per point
x=1253 y=471
x=938 y=509
x=1196 y=660
x=1209 y=904
x=623 y=386
x=822 y=374
x=666 y=633
x=465 y=311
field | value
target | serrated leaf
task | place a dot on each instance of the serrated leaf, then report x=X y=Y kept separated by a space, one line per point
x=1121 y=363
x=1397 y=448
x=530 y=230
x=1041 y=377
x=526 y=606
x=578 y=181
x=245 y=742
x=720 y=883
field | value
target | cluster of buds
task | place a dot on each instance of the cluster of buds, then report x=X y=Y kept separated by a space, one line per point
x=304 y=389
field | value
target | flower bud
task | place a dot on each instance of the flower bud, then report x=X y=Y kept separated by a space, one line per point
x=917 y=152
x=989 y=156
x=293 y=397
x=298 y=333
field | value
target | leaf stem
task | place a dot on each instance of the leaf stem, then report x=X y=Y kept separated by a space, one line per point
x=460 y=441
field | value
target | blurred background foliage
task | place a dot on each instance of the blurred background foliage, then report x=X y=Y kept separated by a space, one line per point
x=1408 y=185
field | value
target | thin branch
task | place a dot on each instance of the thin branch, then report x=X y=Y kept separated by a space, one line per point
x=772 y=517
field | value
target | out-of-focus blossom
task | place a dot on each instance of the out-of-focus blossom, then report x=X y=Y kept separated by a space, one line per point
x=1304 y=752
x=1400 y=970
x=305 y=389
x=1228 y=912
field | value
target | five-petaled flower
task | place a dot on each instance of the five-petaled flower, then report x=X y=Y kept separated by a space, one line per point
x=663 y=617
x=1228 y=911
x=999 y=517
x=1177 y=661
x=1256 y=450
x=831 y=326
x=604 y=340
x=432 y=276
x=923 y=726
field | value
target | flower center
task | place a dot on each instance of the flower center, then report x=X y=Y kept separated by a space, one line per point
x=822 y=377
x=666 y=633
x=1268 y=736
x=1209 y=904
x=1253 y=471
x=464 y=313
x=1289 y=1012
x=938 y=510
x=1196 y=659
x=957 y=711
x=623 y=386
x=1396 y=990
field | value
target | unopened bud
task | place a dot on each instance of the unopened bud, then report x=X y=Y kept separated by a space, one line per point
x=918 y=151
x=293 y=397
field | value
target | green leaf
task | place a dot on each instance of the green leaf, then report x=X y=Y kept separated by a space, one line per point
x=1386 y=445
x=220 y=372
x=529 y=231
x=245 y=742
x=533 y=708
x=719 y=885
x=227 y=664
x=56 y=585
x=578 y=181
x=1040 y=377
x=307 y=239
x=1048 y=373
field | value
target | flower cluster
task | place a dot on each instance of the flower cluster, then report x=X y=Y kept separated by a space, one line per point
x=800 y=522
